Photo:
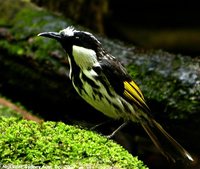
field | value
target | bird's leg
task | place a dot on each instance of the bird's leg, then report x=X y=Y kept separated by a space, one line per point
x=116 y=130
x=100 y=124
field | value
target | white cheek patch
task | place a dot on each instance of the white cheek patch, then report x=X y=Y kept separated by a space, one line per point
x=84 y=58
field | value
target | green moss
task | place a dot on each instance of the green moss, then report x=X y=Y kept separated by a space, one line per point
x=13 y=49
x=25 y=23
x=165 y=88
x=51 y=143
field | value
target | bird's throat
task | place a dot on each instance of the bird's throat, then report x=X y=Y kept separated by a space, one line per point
x=84 y=58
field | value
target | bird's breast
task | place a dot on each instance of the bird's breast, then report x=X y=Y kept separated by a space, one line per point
x=101 y=97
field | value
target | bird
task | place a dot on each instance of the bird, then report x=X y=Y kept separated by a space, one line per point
x=103 y=82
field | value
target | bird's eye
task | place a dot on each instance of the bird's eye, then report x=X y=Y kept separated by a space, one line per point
x=76 y=37
x=62 y=34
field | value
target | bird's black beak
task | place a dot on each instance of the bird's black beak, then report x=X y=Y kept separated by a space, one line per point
x=53 y=35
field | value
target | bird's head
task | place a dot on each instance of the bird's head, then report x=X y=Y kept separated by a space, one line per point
x=80 y=46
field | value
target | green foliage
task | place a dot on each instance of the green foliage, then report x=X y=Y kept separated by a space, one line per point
x=54 y=143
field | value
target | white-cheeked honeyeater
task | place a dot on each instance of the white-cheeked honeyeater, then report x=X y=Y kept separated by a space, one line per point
x=102 y=81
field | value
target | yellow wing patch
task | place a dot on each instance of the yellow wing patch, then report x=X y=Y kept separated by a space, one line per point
x=133 y=92
x=137 y=88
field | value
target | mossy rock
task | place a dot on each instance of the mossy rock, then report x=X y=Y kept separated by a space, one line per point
x=57 y=144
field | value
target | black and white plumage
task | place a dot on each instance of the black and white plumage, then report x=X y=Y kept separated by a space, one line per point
x=101 y=80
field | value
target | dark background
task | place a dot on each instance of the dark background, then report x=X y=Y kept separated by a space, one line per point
x=169 y=25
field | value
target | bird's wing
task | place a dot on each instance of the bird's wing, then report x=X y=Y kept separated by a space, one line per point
x=133 y=93
x=127 y=88
x=123 y=84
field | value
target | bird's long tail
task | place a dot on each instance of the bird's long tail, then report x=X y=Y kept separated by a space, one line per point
x=169 y=147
